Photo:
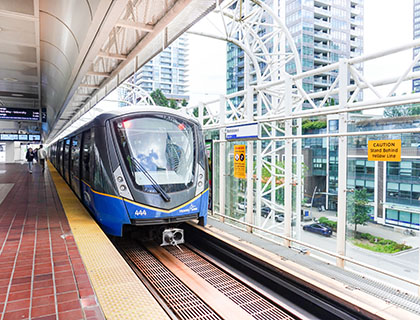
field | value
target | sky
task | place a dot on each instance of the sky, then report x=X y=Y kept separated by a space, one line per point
x=387 y=23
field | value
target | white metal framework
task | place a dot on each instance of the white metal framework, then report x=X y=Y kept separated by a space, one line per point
x=275 y=100
x=266 y=56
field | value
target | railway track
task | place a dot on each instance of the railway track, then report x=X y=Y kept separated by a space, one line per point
x=194 y=288
x=210 y=280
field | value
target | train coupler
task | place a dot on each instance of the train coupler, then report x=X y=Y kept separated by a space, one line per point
x=173 y=237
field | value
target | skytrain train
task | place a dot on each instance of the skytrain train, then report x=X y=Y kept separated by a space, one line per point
x=141 y=166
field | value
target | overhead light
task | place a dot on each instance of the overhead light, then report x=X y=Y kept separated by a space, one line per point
x=17 y=95
x=10 y=79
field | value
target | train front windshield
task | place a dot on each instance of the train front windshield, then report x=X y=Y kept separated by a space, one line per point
x=161 y=145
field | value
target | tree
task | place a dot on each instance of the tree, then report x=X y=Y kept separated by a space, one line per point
x=184 y=103
x=159 y=98
x=402 y=111
x=173 y=104
x=357 y=209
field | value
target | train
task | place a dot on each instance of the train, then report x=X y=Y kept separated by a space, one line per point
x=137 y=167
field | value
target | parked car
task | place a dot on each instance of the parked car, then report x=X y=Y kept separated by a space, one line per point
x=318 y=228
x=279 y=217
x=265 y=211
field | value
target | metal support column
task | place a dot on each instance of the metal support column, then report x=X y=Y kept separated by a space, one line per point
x=222 y=159
x=288 y=163
x=342 y=164
x=258 y=170
x=299 y=183
x=249 y=103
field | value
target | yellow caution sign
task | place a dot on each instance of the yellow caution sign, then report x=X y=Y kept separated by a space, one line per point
x=384 y=150
x=239 y=162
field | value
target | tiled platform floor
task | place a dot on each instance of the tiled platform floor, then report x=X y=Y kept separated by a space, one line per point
x=41 y=272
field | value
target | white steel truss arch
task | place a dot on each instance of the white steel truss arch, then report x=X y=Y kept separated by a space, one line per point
x=135 y=95
x=257 y=30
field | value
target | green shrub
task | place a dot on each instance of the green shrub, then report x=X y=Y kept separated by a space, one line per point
x=386 y=242
x=379 y=244
x=323 y=220
x=332 y=225
x=329 y=223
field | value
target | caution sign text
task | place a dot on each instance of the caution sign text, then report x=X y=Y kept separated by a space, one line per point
x=239 y=163
x=384 y=150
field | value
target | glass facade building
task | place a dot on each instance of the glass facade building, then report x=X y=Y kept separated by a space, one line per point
x=393 y=188
x=416 y=35
x=168 y=72
x=324 y=31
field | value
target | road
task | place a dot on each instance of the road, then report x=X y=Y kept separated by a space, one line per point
x=404 y=264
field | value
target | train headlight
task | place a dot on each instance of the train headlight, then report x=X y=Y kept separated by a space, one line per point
x=123 y=190
x=200 y=180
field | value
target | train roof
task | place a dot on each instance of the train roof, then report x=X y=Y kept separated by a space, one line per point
x=100 y=120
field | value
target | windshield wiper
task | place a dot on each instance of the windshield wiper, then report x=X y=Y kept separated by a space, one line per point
x=139 y=167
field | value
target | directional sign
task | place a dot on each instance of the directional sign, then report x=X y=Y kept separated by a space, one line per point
x=242 y=131
x=384 y=150
x=239 y=161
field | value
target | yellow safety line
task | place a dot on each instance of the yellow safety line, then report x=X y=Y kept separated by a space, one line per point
x=120 y=292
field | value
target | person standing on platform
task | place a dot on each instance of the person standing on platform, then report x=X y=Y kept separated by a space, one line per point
x=42 y=156
x=35 y=155
x=30 y=159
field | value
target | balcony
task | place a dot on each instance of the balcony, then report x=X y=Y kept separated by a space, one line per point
x=356 y=10
x=318 y=34
x=355 y=32
x=320 y=58
x=322 y=23
x=319 y=81
x=323 y=12
x=321 y=3
x=319 y=46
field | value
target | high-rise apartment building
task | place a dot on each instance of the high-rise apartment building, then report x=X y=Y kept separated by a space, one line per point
x=168 y=72
x=416 y=35
x=324 y=31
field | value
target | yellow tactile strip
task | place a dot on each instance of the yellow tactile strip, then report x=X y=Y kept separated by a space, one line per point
x=120 y=293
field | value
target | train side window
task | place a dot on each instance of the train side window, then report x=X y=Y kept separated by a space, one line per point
x=86 y=150
x=66 y=159
x=97 y=172
x=59 y=156
x=74 y=164
x=74 y=157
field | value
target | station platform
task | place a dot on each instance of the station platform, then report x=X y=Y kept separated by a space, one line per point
x=44 y=233
x=56 y=263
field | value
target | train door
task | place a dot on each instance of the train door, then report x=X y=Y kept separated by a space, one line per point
x=86 y=172
x=66 y=160
x=59 y=164
x=74 y=163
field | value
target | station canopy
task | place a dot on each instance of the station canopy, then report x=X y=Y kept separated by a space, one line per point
x=58 y=55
